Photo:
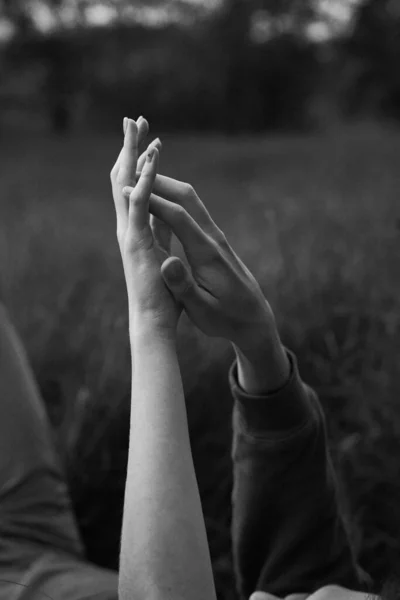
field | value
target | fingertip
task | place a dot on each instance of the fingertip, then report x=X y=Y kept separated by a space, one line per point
x=133 y=126
x=154 y=144
x=142 y=122
x=152 y=156
x=156 y=158
x=127 y=190
x=173 y=270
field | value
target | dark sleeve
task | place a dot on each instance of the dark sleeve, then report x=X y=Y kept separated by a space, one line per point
x=287 y=530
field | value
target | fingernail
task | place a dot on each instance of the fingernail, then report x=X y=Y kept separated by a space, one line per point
x=157 y=141
x=125 y=123
x=150 y=154
x=138 y=119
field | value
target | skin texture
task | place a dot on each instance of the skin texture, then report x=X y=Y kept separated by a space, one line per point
x=223 y=299
x=164 y=550
x=148 y=298
x=218 y=292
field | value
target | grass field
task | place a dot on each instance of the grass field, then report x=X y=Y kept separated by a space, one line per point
x=317 y=220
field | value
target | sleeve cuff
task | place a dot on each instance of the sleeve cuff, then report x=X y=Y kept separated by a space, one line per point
x=287 y=409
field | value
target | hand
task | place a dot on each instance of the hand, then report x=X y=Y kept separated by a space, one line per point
x=150 y=301
x=161 y=232
x=328 y=592
x=218 y=292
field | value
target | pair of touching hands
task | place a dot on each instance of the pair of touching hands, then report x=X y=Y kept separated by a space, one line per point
x=218 y=292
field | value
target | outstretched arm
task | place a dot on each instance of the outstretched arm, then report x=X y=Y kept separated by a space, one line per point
x=288 y=531
x=164 y=551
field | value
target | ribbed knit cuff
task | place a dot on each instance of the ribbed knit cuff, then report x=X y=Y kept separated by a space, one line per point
x=286 y=409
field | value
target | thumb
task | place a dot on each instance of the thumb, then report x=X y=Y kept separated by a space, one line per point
x=185 y=290
x=178 y=278
x=263 y=596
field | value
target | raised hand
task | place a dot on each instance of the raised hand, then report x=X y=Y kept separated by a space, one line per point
x=149 y=298
x=161 y=232
x=219 y=293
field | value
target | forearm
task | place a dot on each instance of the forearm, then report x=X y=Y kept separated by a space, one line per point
x=164 y=550
x=288 y=531
x=285 y=499
x=262 y=363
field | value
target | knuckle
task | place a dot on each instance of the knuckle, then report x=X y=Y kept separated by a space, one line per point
x=135 y=199
x=220 y=238
x=188 y=190
x=130 y=244
x=179 y=213
x=147 y=177
x=216 y=251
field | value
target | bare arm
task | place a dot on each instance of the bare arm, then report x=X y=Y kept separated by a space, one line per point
x=288 y=531
x=164 y=550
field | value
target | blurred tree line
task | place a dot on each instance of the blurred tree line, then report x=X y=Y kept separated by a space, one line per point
x=238 y=65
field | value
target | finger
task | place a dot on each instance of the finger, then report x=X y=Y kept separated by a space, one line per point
x=183 y=286
x=128 y=161
x=143 y=130
x=198 y=246
x=121 y=202
x=162 y=233
x=115 y=168
x=141 y=122
x=183 y=194
x=263 y=596
x=118 y=161
x=155 y=143
x=140 y=195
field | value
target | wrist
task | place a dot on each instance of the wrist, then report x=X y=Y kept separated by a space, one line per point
x=146 y=331
x=263 y=366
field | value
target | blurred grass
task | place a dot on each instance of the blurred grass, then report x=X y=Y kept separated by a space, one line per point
x=317 y=220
